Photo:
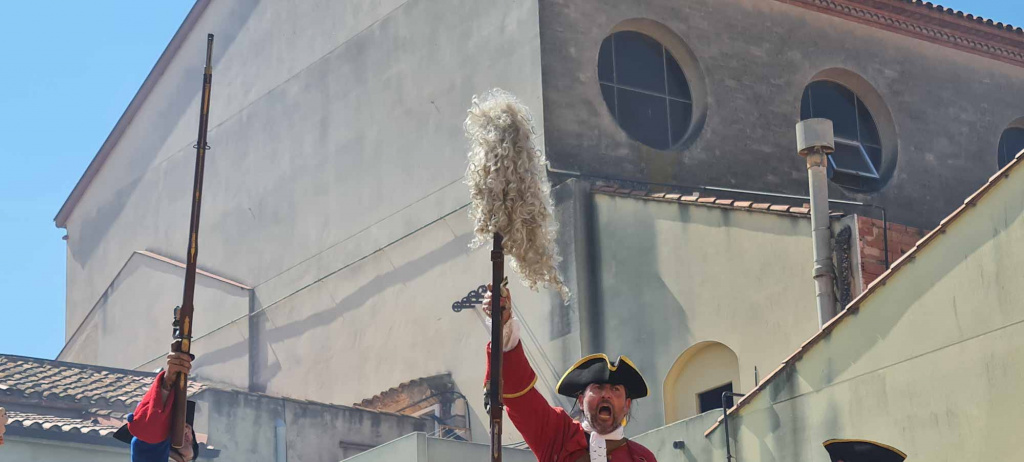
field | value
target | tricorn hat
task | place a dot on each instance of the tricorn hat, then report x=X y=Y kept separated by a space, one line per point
x=597 y=368
x=851 y=450
x=125 y=436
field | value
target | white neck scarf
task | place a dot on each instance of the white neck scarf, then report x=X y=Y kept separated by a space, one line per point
x=598 y=445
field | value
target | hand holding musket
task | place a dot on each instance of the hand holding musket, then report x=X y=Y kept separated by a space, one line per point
x=511 y=206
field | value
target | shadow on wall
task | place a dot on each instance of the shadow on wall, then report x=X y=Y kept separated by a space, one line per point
x=94 y=228
x=267 y=335
x=636 y=314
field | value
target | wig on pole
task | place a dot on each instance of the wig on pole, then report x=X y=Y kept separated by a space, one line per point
x=509 y=189
x=511 y=207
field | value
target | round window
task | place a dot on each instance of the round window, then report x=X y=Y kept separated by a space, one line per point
x=645 y=89
x=857 y=161
x=1011 y=143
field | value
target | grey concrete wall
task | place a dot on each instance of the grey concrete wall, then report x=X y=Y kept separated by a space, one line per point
x=755 y=56
x=931 y=363
x=131 y=323
x=671 y=275
x=333 y=135
x=242 y=426
x=419 y=447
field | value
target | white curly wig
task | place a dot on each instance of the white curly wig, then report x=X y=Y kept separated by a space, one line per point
x=509 y=188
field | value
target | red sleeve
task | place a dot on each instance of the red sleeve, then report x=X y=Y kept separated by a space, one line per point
x=151 y=421
x=549 y=431
x=640 y=452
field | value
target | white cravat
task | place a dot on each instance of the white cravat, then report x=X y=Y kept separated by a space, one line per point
x=598 y=443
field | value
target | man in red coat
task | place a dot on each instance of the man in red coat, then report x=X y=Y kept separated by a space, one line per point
x=602 y=389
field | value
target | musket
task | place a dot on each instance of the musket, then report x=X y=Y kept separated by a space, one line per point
x=183 y=322
x=495 y=408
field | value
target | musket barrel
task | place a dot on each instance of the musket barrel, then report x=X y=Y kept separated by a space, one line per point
x=183 y=323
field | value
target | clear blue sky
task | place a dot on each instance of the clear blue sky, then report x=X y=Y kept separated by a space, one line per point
x=69 y=69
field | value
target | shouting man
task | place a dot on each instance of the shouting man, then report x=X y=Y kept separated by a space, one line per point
x=602 y=389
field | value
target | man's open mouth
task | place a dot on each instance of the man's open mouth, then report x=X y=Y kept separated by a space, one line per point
x=604 y=410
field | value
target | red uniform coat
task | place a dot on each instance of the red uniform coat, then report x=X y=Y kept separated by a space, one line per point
x=552 y=435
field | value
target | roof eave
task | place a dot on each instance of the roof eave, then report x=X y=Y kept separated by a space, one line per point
x=931 y=23
x=133 y=107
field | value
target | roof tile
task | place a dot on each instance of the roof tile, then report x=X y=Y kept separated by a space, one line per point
x=83 y=426
x=708 y=201
x=74 y=383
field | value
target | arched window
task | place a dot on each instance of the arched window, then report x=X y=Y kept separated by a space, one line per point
x=857 y=162
x=1011 y=143
x=846 y=450
x=696 y=381
x=645 y=89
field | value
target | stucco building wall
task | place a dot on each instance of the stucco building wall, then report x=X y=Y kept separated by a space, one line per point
x=244 y=427
x=929 y=363
x=674 y=275
x=333 y=135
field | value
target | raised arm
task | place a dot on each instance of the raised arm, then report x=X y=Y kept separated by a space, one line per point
x=547 y=430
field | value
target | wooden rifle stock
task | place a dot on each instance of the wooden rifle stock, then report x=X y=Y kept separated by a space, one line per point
x=183 y=322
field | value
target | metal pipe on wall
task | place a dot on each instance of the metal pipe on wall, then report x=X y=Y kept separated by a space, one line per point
x=815 y=142
x=725 y=421
x=280 y=441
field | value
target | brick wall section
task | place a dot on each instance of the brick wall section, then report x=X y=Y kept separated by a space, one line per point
x=872 y=245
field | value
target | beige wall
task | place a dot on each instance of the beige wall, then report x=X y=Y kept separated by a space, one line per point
x=345 y=215
x=702 y=367
x=932 y=363
x=370 y=150
x=674 y=275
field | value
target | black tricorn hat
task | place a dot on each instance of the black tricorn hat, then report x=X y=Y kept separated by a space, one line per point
x=597 y=368
x=853 y=450
x=125 y=436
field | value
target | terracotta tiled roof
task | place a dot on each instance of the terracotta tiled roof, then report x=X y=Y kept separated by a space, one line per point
x=705 y=201
x=59 y=424
x=23 y=378
x=871 y=289
x=405 y=396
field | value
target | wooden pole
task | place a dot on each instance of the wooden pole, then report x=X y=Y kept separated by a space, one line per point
x=494 y=387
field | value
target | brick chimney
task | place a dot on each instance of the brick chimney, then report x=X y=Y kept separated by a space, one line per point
x=872 y=245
